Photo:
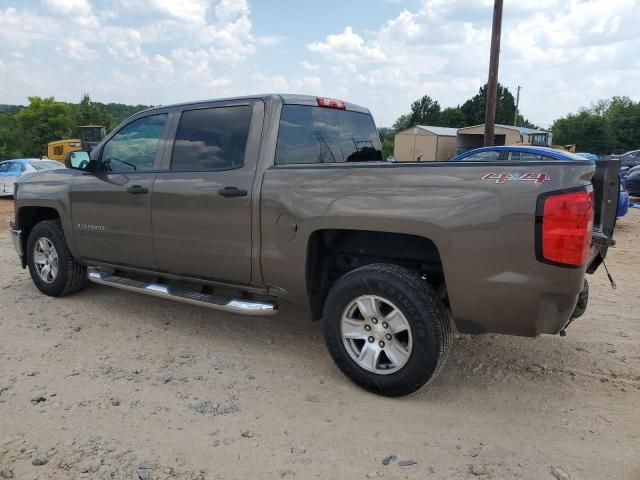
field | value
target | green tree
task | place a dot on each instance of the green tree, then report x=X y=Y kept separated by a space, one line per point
x=387 y=139
x=608 y=126
x=452 y=117
x=118 y=112
x=623 y=116
x=402 y=123
x=523 y=122
x=88 y=113
x=41 y=122
x=474 y=109
x=589 y=131
x=10 y=137
x=425 y=111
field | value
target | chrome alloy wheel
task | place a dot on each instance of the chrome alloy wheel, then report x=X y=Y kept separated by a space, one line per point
x=376 y=334
x=45 y=259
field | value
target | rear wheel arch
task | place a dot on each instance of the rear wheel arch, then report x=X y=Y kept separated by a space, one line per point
x=332 y=253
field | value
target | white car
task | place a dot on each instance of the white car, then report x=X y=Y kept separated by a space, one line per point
x=10 y=170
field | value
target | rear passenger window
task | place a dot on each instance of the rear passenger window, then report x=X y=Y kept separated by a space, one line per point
x=211 y=139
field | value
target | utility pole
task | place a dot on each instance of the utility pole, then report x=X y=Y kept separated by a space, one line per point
x=492 y=84
x=515 y=119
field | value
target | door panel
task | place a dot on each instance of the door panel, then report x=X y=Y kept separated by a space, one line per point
x=110 y=224
x=197 y=231
x=111 y=208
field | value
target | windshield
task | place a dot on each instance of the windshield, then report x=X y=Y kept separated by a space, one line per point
x=45 y=165
x=326 y=135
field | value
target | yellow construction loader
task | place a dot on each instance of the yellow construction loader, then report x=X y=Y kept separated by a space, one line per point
x=90 y=136
x=541 y=139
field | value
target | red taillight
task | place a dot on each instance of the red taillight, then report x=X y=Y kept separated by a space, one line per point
x=331 y=103
x=564 y=227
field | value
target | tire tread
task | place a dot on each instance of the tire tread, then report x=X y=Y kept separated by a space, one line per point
x=421 y=293
x=76 y=273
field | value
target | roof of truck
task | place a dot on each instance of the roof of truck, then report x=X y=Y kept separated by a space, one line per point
x=288 y=98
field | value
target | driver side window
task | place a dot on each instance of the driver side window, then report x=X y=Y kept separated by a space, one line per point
x=134 y=147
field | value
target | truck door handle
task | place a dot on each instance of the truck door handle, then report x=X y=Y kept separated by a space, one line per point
x=229 y=192
x=137 y=190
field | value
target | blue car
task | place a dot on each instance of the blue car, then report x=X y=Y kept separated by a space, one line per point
x=11 y=170
x=588 y=156
x=531 y=154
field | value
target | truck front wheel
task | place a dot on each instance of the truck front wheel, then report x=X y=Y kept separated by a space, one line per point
x=386 y=329
x=51 y=265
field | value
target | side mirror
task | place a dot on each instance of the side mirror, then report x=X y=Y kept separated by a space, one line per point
x=77 y=159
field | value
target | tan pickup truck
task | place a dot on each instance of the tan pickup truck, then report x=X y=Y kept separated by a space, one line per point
x=248 y=204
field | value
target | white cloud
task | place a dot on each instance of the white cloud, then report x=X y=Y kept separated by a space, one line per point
x=227 y=9
x=69 y=7
x=80 y=12
x=441 y=49
x=162 y=65
x=347 y=46
x=309 y=66
x=20 y=28
x=187 y=11
x=76 y=50
x=309 y=84
x=128 y=46
x=232 y=40
x=196 y=67
x=565 y=53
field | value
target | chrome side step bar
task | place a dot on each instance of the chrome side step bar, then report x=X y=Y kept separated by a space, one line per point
x=244 y=307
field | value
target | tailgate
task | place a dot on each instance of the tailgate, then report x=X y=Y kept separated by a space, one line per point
x=606 y=185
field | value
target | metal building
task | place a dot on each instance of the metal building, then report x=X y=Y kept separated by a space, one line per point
x=425 y=143
x=473 y=137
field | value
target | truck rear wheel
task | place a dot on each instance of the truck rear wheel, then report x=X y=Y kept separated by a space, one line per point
x=386 y=329
x=51 y=265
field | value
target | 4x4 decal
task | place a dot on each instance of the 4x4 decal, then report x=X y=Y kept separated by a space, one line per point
x=525 y=177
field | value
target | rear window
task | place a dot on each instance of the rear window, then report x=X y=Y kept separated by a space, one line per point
x=45 y=165
x=325 y=135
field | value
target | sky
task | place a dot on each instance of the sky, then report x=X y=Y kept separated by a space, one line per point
x=382 y=54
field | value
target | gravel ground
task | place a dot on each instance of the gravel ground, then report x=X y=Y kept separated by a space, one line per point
x=108 y=384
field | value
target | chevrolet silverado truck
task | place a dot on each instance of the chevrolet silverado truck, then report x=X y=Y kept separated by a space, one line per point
x=248 y=204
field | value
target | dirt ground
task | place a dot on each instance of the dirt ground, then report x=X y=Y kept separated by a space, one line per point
x=108 y=384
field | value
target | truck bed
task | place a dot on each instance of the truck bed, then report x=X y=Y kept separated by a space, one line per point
x=481 y=218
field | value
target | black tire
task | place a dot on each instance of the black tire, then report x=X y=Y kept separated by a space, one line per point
x=423 y=310
x=71 y=276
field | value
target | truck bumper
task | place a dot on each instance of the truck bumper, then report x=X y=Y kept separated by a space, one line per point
x=520 y=304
